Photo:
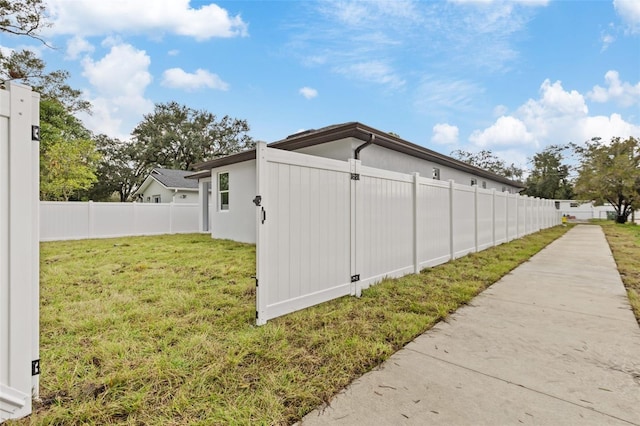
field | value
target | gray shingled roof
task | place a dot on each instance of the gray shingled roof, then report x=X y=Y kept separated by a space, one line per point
x=174 y=178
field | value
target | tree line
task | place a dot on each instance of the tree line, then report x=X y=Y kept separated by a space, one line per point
x=602 y=172
x=75 y=164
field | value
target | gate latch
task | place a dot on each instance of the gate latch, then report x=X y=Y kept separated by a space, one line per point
x=257 y=200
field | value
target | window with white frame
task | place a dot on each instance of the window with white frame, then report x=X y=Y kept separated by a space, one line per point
x=156 y=199
x=474 y=182
x=484 y=184
x=223 y=191
x=436 y=173
x=504 y=189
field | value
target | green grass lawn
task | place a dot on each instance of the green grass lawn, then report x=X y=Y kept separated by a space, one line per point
x=160 y=330
x=624 y=241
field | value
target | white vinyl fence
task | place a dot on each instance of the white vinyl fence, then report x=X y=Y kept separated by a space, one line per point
x=329 y=228
x=80 y=220
x=19 y=254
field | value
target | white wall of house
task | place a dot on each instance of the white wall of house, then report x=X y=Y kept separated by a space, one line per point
x=239 y=221
x=387 y=159
x=155 y=189
x=341 y=149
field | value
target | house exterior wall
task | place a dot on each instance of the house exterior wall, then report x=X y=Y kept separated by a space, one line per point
x=387 y=159
x=384 y=158
x=341 y=149
x=239 y=221
x=168 y=195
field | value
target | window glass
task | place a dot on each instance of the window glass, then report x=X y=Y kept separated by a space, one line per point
x=474 y=182
x=223 y=190
x=436 y=173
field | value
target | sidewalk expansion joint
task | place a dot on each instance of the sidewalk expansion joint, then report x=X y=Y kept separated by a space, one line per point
x=554 y=308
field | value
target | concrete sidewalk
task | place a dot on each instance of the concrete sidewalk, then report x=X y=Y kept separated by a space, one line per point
x=554 y=342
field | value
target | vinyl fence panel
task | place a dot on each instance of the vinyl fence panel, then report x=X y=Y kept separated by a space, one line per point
x=464 y=222
x=307 y=256
x=500 y=217
x=485 y=218
x=434 y=222
x=384 y=218
x=82 y=220
x=329 y=228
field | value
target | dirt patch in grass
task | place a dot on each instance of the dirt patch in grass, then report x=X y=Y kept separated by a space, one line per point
x=624 y=241
x=160 y=330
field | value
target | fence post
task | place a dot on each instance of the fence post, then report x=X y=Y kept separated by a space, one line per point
x=416 y=223
x=262 y=260
x=354 y=168
x=476 y=219
x=19 y=250
x=493 y=209
x=451 y=249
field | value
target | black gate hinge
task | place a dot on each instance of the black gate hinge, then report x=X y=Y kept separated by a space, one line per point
x=256 y=314
x=355 y=278
x=35 y=367
x=257 y=200
x=355 y=176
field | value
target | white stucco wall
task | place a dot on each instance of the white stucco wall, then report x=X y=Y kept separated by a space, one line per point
x=337 y=150
x=384 y=158
x=239 y=222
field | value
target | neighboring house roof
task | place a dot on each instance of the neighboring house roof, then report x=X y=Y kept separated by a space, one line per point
x=170 y=179
x=358 y=131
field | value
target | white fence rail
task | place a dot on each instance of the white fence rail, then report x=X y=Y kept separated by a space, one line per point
x=81 y=220
x=329 y=228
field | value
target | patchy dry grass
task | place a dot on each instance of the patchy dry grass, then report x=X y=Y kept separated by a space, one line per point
x=160 y=331
x=624 y=241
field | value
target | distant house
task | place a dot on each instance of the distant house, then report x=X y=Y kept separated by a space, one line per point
x=167 y=186
x=584 y=210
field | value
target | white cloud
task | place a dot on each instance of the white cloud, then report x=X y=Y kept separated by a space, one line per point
x=376 y=72
x=522 y=2
x=308 y=92
x=623 y=93
x=76 y=46
x=445 y=134
x=177 y=78
x=500 y=110
x=432 y=95
x=90 y=17
x=606 y=40
x=629 y=11
x=173 y=52
x=558 y=116
x=118 y=81
x=606 y=128
x=507 y=131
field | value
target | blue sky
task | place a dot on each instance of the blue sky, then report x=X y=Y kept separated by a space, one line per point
x=512 y=77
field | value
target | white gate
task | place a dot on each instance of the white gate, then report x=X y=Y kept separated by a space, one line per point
x=329 y=228
x=19 y=251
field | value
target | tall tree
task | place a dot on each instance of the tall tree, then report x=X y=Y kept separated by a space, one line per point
x=67 y=153
x=26 y=18
x=118 y=171
x=549 y=177
x=486 y=160
x=610 y=173
x=176 y=136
